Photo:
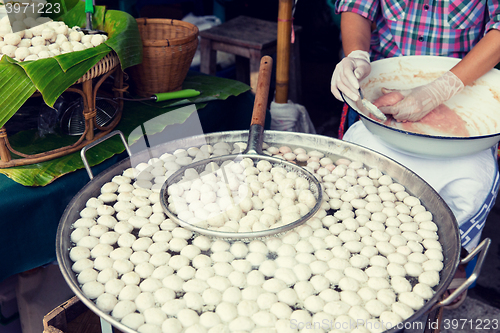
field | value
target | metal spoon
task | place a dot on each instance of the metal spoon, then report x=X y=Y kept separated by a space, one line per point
x=372 y=108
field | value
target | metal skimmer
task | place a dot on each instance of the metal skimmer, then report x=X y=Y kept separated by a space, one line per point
x=253 y=152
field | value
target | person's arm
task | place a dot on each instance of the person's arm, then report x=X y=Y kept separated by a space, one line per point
x=355 y=31
x=356 y=34
x=418 y=102
x=483 y=57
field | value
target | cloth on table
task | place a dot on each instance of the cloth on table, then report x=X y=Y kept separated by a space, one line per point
x=468 y=184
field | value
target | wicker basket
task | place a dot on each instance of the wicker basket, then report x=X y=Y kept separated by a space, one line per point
x=104 y=65
x=168 y=50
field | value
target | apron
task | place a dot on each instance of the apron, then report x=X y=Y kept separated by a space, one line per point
x=470 y=231
x=348 y=117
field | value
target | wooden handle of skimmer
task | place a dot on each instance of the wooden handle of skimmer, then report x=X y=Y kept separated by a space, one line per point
x=262 y=91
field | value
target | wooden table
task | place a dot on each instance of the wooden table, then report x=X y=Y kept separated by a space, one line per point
x=249 y=39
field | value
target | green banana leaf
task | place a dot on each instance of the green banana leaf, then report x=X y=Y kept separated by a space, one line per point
x=123 y=33
x=51 y=77
x=15 y=91
x=52 y=80
x=68 y=60
x=134 y=114
x=123 y=36
x=42 y=174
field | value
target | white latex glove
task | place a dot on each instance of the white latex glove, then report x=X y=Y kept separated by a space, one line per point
x=347 y=74
x=419 y=101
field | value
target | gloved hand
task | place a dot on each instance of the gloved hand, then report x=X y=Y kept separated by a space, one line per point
x=419 y=101
x=348 y=72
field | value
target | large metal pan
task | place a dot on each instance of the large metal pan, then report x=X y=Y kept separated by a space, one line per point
x=478 y=105
x=443 y=217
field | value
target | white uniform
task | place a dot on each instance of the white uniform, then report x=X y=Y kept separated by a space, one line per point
x=468 y=184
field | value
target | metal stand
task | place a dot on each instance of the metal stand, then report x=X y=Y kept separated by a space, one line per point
x=86 y=87
x=106 y=327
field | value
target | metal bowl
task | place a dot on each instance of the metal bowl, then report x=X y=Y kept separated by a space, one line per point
x=443 y=217
x=478 y=105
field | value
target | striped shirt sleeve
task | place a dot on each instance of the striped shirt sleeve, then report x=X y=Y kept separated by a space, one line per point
x=494 y=15
x=366 y=8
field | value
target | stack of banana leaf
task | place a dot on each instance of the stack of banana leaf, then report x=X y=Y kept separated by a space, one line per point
x=52 y=76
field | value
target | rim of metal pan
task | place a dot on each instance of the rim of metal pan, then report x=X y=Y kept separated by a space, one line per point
x=448 y=229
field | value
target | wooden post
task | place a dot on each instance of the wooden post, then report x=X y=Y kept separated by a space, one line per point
x=4 y=151
x=283 y=50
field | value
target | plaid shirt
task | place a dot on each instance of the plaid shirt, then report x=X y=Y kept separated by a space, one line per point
x=425 y=27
